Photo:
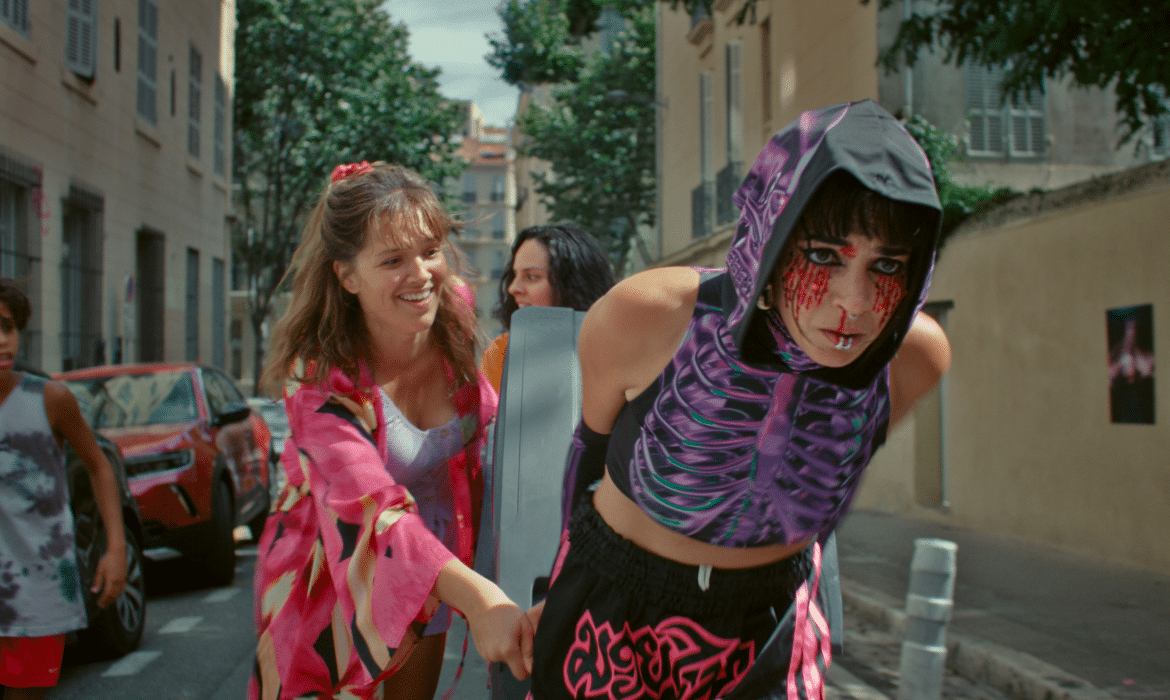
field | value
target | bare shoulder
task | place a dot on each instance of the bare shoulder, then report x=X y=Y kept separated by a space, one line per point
x=63 y=412
x=922 y=360
x=649 y=297
x=657 y=303
x=631 y=333
x=59 y=400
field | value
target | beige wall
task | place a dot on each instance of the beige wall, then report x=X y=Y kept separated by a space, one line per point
x=821 y=53
x=86 y=133
x=1029 y=447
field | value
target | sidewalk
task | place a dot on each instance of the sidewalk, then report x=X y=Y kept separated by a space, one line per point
x=1035 y=622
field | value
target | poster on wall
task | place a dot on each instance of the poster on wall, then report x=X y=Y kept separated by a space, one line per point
x=1130 y=330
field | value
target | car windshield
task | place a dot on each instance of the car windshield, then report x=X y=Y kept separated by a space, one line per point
x=126 y=400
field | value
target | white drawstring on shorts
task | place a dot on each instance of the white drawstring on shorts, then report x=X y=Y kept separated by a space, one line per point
x=704 y=576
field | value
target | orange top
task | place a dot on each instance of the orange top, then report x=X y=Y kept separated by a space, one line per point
x=492 y=363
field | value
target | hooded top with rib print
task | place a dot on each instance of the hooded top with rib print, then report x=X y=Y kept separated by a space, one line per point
x=744 y=440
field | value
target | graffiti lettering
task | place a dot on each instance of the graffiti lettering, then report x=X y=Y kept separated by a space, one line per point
x=675 y=660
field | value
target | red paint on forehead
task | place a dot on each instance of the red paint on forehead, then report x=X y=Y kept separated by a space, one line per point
x=849 y=251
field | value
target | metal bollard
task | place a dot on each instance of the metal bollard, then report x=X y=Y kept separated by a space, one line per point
x=928 y=609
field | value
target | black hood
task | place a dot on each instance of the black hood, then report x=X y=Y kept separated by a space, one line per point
x=869 y=143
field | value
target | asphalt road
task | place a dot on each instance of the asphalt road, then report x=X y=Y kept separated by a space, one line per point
x=199 y=644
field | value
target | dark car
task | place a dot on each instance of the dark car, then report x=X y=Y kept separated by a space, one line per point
x=117 y=629
x=197 y=457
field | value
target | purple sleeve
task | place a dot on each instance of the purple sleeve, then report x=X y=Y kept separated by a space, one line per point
x=584 y=465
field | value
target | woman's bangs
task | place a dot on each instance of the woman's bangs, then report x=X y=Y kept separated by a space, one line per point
x=410 y=215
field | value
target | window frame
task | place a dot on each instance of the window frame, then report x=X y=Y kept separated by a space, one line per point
x=81 y=37
x=14 y=14
x=146 y=106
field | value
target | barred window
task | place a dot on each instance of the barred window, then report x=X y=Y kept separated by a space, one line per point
x=19 y=252
x=81 y=275
x=147 y=105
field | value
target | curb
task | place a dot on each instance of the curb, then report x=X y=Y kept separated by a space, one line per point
x=1018 y=675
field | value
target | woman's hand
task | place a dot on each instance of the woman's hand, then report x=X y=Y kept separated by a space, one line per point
x=499 y=627
x=502 y=632
x=533 y=614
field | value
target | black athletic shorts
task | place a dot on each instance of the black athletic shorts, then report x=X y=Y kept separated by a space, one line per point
x=620 y=622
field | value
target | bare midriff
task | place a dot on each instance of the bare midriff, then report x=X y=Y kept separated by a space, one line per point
x=629 y=521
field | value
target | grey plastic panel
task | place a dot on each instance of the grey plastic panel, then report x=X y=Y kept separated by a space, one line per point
x=540 y=404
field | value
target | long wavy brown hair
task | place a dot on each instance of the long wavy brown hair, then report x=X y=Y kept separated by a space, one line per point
x=323 y=326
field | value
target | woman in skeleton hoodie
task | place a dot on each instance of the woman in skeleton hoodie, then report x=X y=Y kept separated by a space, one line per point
x=727 y=436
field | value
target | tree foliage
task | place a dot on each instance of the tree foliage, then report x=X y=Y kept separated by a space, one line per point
x=318 y=83
x=599 y=139
x=958 y=201
x=1121 y=44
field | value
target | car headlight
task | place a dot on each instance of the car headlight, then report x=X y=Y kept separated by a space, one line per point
x=159 y=462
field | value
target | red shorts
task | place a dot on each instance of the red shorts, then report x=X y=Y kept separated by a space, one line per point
x=31 y=662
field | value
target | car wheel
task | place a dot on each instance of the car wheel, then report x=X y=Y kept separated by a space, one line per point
x=219 y=560
x=117 y=629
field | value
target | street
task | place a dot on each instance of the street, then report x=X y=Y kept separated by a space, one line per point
x=199 y=642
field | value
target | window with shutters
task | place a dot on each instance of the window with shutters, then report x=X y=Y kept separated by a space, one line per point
x=219 y=157
x=14 y=13
x=194 y=97
x=996 y=127
x=80 y=36
x=147 y=105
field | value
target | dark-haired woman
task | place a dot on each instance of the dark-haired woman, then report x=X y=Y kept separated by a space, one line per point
x=557 y=265
x=727 y=417
x=372 y=537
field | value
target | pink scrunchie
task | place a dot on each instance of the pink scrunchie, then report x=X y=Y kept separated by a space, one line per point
x=343 y=171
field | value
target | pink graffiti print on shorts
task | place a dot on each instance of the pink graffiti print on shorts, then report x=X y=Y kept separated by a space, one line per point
x=675 y=660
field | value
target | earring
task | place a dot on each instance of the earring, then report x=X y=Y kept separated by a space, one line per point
x=764 y=301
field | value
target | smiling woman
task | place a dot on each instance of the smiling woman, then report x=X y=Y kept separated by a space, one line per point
x=360 y=567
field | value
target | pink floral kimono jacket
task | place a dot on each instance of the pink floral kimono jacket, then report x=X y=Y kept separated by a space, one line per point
x=346 y=566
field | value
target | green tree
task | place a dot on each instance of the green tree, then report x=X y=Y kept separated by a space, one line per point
x=1101 y=43
x=599 y=139
x=599 y=135
x=318 y=83
x=958 y=201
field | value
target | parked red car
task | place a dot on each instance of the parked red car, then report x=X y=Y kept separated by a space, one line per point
x=196 y=454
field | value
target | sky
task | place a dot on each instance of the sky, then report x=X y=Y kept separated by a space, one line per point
x=450 y=34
